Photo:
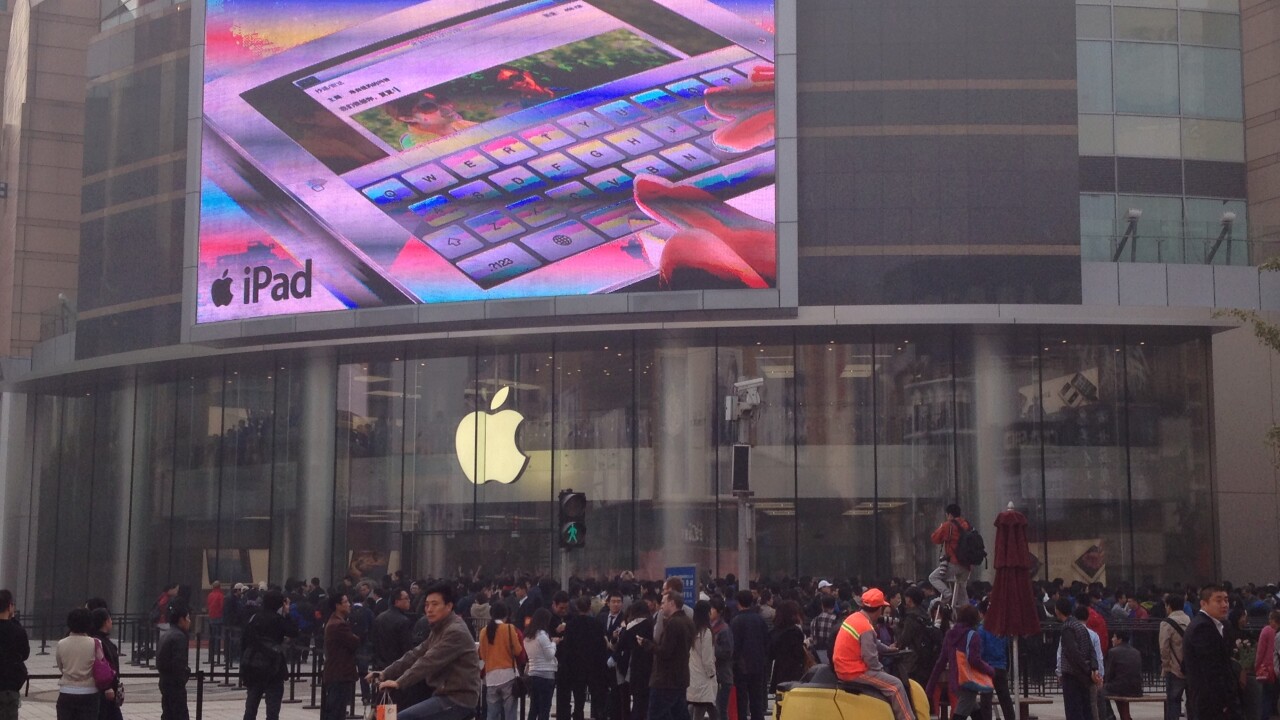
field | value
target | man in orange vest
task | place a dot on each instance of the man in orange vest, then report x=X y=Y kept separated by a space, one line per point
x=857 y=655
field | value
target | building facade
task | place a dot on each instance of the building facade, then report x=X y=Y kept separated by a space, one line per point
x=1006 y=231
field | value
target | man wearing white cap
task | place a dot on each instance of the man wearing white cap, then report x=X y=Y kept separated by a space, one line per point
x=857 y=655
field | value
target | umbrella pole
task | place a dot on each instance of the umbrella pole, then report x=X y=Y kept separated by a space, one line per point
x=1013 y=672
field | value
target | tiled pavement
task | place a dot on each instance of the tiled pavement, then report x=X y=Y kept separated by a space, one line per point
x=220 y=703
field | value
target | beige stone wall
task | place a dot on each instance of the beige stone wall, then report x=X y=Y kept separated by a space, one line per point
x=40 y=157
x=1260 y=28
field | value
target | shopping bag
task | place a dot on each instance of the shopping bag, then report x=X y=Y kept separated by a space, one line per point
x=968 y=677
x=383 y=709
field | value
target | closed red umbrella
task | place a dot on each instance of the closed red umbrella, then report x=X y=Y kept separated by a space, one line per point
x=1012 y=611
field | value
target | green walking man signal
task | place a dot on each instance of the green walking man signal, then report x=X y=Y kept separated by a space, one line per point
x=573 y=515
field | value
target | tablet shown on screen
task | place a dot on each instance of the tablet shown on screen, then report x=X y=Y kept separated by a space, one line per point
x=455 y=150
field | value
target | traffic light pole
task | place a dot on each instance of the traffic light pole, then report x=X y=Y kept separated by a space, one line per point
x=746 y=531
x=564 y=569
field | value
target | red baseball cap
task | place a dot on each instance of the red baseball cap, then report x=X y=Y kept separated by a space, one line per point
x=873 y=599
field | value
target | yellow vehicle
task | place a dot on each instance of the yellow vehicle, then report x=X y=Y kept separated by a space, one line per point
x=820 y=696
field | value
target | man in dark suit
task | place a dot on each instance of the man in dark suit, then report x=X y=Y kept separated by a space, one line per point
x=611 y=620
x=1213 y=687
x=526 y=604
x=1124 y=671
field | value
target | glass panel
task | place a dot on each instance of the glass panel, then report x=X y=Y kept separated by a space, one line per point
x=1093 y=70
x=527 y=370
x=1159 y=230
x=1213 y=140
x=150 y=531
x=45 y=465
x=244 y=502
x=915 y=464
x=770 y=430
x=439 y=500
x=1138 y=136
x=1146 y=78
x=1148 y=3
x=1211 y=83
x=677 y=416
x=75 y=498
x=1144 y=24
x=1205 y=227
x=1097 y=226
x=836 y=425
x=370 y=427
x=1222 y=6
x=1093 y=22
x=1170 y=460
x=194 y=502
x=594 y=433
x=1217 y=29
x=1097 y=135
x=1081 y=396
x=109 y=522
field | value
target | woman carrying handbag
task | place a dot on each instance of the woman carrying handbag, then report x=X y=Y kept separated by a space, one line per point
x=968 y=675
x=502 y=652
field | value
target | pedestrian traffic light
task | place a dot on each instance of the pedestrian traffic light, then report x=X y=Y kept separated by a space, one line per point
x=573 y=516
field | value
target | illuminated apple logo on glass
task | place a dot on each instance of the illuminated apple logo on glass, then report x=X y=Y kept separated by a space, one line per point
x=486 y=443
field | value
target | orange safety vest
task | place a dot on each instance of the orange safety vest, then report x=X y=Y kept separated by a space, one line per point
x=847 y=657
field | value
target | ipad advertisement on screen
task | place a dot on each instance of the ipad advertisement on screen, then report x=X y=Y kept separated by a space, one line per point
x=389 y=152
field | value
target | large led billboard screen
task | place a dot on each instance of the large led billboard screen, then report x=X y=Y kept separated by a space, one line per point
x=360 y=154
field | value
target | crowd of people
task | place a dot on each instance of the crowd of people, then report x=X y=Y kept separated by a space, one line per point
x=624 y=648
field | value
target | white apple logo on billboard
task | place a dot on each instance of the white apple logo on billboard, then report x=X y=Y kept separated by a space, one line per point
x=491 y=437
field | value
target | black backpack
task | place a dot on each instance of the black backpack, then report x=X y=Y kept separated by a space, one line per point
x=263 y=659
x=927 y=648
x=970 y=549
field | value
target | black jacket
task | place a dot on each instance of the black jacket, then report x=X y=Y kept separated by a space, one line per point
x=266 y=632
x=1212 y=685
x=171 y=658
x=1124 y=672
x=750 y=642
x=787 y=652
x=15 y=648
x=524 y=611
x=634 y=659
x=392 y=637
x=582 y=653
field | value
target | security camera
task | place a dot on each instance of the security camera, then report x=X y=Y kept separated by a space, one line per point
x=1228 y=217
x=1135 y=214
x=746 y=385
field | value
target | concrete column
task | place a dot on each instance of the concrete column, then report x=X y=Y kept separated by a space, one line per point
x=307 y=523
x=1246 y=377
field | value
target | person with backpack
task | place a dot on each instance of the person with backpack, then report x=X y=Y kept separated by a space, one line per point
x=962 y=548
x=1172 y=628
x=264 y=666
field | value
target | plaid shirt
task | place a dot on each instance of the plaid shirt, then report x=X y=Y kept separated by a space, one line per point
x=823 y=630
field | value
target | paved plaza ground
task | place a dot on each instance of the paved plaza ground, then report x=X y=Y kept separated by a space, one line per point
x=222 y=703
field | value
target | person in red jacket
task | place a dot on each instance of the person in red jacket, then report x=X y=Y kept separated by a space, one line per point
x=949 y=569
x=1264 y=667
x=214 y=603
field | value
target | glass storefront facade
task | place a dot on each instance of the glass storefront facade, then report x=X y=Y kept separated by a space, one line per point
x=323 y=463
